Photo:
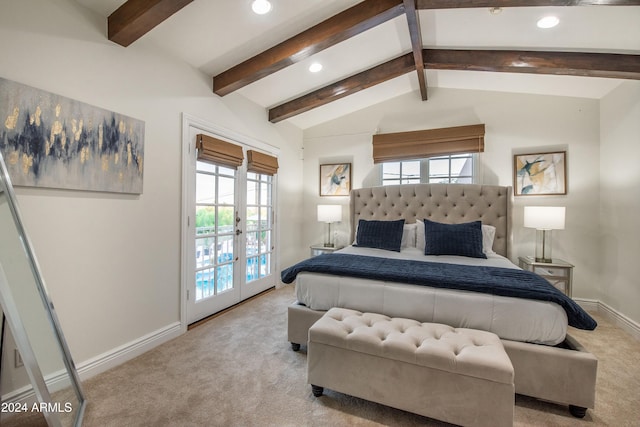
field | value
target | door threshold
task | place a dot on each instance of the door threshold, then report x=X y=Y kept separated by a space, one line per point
x=221 y=312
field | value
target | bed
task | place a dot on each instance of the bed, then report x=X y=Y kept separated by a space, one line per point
x=549 y=364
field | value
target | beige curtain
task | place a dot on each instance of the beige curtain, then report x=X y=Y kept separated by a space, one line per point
x=420 y=144
x=261 y=163
x=214 y=150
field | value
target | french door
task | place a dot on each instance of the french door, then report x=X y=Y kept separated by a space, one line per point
x=228 y=237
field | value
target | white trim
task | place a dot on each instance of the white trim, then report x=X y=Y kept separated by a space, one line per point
x=588 y=304
x=614 y=316
x=126 y=352
x=620 y=320
x=98 y=364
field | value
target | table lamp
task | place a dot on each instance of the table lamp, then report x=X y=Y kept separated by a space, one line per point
x=329 y=214
x=544 y=219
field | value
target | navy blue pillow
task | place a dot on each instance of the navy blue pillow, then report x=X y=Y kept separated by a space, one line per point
x=453 y=239
x=380 y=234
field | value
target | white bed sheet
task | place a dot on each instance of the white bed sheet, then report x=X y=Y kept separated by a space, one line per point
x=510 y=318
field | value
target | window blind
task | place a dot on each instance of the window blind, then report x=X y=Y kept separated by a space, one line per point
x=420 y=144
x=261 y=163
x=214 y=150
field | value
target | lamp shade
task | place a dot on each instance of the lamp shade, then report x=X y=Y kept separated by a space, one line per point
x=544 y=217
x=329 y=213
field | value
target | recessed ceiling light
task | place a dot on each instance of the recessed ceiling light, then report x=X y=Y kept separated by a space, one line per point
x=495 y=10
x=261 y=6
x=315 y=67
x=548 y=22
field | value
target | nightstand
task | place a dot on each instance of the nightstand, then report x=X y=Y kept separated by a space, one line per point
x=321 y=249
x=558 y=272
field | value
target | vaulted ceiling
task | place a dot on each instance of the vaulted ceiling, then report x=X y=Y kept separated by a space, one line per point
x=373 y=50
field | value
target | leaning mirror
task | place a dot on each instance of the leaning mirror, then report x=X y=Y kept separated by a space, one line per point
x=51 y=388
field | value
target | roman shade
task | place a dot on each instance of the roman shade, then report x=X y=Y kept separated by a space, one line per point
x=391 y=147
x=261 y=163
x=214 y=150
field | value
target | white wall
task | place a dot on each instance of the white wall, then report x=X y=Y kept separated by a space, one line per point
x=620 y=200
x=112 y=261
x=514 y=124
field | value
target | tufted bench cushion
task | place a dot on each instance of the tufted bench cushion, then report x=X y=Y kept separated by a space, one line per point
x=457 y=375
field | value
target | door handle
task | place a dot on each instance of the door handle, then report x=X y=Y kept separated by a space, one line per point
x=238 y=231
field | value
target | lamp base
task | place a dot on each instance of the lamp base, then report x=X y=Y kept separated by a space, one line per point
x=543 y=246
x=327 y=242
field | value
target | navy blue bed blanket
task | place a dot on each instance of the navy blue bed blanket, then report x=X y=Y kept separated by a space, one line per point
x=505 y=282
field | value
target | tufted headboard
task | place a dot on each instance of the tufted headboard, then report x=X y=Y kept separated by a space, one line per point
x=448 y=203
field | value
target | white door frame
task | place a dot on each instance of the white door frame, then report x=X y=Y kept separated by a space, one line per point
x=188 y=186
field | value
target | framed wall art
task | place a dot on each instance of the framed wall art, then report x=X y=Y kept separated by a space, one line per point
x=52 y=141
x=335 y=179
x=540 y=174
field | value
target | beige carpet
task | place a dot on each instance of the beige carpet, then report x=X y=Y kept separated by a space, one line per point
x=238 y=370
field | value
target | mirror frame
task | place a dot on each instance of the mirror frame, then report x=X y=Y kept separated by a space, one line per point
x=16 y=325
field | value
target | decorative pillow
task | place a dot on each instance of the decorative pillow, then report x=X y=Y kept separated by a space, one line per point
x=408 y=236
x=488 y=234
x=454 y=239
x=380 y=234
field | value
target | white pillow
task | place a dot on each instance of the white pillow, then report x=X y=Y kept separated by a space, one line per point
x=420 y=242
x=488 y=234
x=409 y=236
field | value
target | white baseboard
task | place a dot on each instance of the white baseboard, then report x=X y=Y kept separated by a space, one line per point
x=26 y=395
x=620 y=320
x=588 y=304
x=126 y=352
x=614 y=316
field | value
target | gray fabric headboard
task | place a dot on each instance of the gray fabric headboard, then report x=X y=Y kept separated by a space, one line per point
x=448 y=203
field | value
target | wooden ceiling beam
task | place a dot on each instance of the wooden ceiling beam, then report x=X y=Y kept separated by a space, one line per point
x=611 y=65
x=531 y=62
x=135 y=18
x=449 y=4
x=349 y=23
x=413 y=21
x=355 y=83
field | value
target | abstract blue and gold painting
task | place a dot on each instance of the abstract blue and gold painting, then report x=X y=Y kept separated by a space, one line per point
x=540 y=174
x=48 y=140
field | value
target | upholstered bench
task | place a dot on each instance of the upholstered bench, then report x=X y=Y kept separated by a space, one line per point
x=457 y=375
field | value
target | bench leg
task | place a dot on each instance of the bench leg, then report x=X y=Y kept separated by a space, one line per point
x=295 y=346
x=317 y=390
x=577 y=411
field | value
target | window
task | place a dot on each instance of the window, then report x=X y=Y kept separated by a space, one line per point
x=452 y=169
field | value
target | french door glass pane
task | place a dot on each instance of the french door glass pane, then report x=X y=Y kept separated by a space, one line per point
x=265 y=265
x=224 y=279
x=205 y=252
x=226 y=193
x=204 y=283
x=205 y=188
x=205 y=220
x=225 y=219
x=253 y=192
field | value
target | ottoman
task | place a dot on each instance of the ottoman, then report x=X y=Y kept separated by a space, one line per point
x=461 y=376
